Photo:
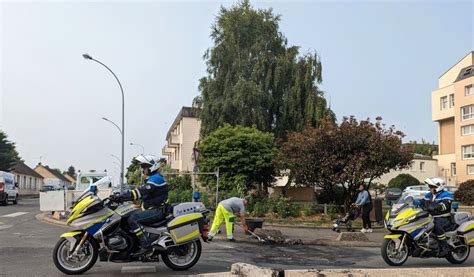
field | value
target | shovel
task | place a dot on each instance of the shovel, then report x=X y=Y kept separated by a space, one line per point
x=253 y=234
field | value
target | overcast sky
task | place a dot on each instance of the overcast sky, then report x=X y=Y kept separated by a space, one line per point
x=379 y=59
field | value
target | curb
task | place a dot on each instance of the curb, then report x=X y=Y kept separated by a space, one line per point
x=44 y=218
x=248 y=270
x=309 y=227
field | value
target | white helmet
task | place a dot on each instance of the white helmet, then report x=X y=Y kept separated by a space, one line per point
x=149 y=160
x=435 y=182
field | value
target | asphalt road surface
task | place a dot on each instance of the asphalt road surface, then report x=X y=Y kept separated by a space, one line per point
x=26 y=246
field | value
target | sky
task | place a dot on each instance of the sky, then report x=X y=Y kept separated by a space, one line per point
x=380 y=58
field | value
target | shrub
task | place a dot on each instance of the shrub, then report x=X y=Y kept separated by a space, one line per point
x=465 y=193
x=309 y=209
x=402 y=181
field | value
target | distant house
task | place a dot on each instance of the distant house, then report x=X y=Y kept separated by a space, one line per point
x=295 y=193
x=52 y=177
x=70 y=178
x=421 y=167
x=29 y=181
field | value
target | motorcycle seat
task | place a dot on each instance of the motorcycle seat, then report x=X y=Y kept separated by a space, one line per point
x=159 y=223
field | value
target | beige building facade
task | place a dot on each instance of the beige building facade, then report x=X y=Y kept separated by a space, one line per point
x=180 y=140
x=453 y=110
x=421 y=167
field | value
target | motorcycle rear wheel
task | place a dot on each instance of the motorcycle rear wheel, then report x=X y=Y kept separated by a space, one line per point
x=459 y=257
x=389 y=254
x=176 y=256
x=66 y=265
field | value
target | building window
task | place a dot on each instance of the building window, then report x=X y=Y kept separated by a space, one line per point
x=468 y=90
x=468 y=152
x=451 y=100
x=422 y=166
x=467 y=112
x=453 y=169
x=467 y=130
x=444 y=102
x=470 y=169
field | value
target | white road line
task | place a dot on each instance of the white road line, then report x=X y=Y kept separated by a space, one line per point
x=138 y=269
x=2 y=227
x=225 y=246
x=14 y=214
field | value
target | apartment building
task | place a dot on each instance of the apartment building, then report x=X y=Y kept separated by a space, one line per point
x=453 y=110
x=180 y=139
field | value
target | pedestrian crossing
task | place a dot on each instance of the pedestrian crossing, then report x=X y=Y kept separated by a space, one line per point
x=14 y=214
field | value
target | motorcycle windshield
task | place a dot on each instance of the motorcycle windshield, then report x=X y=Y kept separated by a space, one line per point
x=402 y=203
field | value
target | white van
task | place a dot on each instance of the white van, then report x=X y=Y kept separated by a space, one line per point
x=8 y=188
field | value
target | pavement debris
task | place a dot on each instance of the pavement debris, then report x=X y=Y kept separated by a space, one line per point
x=276 y=236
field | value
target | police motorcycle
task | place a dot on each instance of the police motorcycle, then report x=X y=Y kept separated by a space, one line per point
x=103 y=232
x=411 y=234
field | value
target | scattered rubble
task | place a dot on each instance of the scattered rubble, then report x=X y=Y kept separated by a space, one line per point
x=275 y=236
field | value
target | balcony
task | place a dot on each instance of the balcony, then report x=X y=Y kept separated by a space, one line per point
x=166 y=151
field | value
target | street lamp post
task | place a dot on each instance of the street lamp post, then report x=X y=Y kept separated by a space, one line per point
x=88 y=57
x=136 y=144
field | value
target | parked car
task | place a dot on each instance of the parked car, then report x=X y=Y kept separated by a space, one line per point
x=452 y=189
x=8 y=188
x=46 y=188
x=416 y=192
x=393 y=193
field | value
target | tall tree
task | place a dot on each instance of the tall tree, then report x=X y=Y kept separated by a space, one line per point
x=255 y=78
x=343 y=155
x=8 y=154
x=71 y=171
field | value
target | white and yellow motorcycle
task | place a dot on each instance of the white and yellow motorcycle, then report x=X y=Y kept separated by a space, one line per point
x=411 y=234
x=103 y=233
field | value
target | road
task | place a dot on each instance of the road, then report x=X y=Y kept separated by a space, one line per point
x=26 y=246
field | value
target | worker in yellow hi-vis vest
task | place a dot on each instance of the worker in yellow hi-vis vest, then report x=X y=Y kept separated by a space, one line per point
x=226 y=211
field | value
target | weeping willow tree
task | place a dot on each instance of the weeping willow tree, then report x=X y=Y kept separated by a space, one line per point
x=254 y=78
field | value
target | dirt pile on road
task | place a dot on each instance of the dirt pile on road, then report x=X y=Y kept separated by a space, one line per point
x=275 y=236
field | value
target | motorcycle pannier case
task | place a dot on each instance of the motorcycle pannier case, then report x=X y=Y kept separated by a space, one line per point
x=184 y=228
x=466 y=230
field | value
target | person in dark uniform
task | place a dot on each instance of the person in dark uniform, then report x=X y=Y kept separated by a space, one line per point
x=438 y=203
x=153 y=194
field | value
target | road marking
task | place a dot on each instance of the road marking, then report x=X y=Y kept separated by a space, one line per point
x=225 y=246
x=138 y=269
x=2 y=227
x=14 y=214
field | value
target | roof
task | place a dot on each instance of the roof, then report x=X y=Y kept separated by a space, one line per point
x=55 y=172
x=470 y=53
x=465 y=73
x=23 y=169
x=185 y=112
x=417 y=156
x=70 y=178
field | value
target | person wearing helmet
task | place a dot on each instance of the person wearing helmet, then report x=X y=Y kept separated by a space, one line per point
x=153 y=194
x=438 y=204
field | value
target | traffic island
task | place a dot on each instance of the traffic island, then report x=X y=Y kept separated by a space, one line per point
x=349 y=236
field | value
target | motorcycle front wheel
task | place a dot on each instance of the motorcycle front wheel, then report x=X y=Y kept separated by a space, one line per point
x=391 y=255
x=78 y=263
x=183 y=257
